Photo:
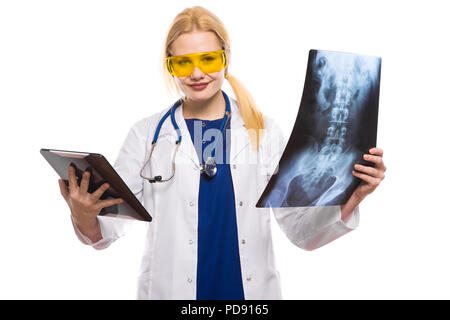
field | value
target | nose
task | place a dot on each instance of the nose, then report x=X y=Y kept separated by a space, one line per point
x=197 y=74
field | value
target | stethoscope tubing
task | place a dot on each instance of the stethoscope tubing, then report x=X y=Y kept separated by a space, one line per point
x=171 y=113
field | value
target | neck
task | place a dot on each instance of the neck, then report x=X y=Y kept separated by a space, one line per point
x=211 y=109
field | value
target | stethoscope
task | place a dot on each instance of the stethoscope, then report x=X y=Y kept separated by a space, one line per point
x=209 y=168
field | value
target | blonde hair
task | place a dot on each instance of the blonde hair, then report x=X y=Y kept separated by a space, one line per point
x=199 y=18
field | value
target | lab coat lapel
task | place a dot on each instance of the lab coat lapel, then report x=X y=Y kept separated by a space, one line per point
x=239 y=136
x=187 y=147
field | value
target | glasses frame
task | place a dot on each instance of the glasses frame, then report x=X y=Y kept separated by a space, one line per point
x=170 y=68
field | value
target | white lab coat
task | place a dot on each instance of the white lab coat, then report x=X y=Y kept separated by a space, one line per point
x=169 y=262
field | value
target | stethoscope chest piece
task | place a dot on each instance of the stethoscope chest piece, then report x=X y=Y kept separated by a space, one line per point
x=209 y=168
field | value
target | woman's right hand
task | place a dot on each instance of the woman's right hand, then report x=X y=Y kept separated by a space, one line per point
x=85 y=206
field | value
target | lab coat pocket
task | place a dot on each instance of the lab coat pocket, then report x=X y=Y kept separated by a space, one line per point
x=279 y=296
x=144 y=286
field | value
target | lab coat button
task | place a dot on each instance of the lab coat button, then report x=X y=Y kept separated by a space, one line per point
x=241 y=203
x=243 y=241
x=189 y=280
x=191 y=241
x=249 y=278
x=234 y=166
x=191 y=203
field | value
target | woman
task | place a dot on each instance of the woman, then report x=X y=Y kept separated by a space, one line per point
x=207 y=240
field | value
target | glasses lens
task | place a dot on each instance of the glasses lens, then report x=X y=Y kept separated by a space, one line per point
x=211 y=62
x=208 y=62
x=182 y=66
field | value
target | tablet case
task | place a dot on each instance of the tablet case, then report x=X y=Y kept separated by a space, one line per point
x=101 y=172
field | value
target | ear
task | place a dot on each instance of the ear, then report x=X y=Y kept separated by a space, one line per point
x=228 y=51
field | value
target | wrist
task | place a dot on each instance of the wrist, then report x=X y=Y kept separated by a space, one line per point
x=357 y=198
x=86 y=226
x=350 y=206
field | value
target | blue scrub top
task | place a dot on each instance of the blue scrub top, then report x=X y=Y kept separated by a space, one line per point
x=218 y=264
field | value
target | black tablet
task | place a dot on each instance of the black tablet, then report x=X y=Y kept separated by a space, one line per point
x=101 y=172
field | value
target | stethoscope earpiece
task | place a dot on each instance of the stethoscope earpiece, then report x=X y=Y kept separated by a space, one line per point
x=157 y=179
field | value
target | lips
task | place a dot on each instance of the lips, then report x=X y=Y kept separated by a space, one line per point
x=199 y=86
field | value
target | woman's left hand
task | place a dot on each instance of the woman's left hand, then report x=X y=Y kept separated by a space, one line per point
x=371 y=176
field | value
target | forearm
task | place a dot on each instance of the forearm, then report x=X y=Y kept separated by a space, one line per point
x=92 y=231
x=349 y=207
x=312 y=227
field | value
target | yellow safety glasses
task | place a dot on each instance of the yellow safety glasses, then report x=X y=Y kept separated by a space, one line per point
x=208 y=62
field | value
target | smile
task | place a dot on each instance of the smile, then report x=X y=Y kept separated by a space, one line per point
x=199 y=86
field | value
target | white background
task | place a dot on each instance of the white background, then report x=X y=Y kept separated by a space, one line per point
x=76 y=75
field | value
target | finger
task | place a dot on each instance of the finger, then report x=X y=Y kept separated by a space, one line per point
x=98 y=193
x=84 y=184
x=107 y=203
x=374 y=182
x=374 y=172
x=73 y=184
x=376 y=151
x=63 y=189
x=375 y=159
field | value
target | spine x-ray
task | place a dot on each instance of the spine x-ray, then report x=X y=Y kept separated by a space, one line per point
x=336 y=124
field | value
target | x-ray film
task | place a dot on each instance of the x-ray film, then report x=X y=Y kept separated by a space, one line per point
x=336 y=124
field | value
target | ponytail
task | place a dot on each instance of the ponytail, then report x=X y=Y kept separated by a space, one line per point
x=253 y=118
